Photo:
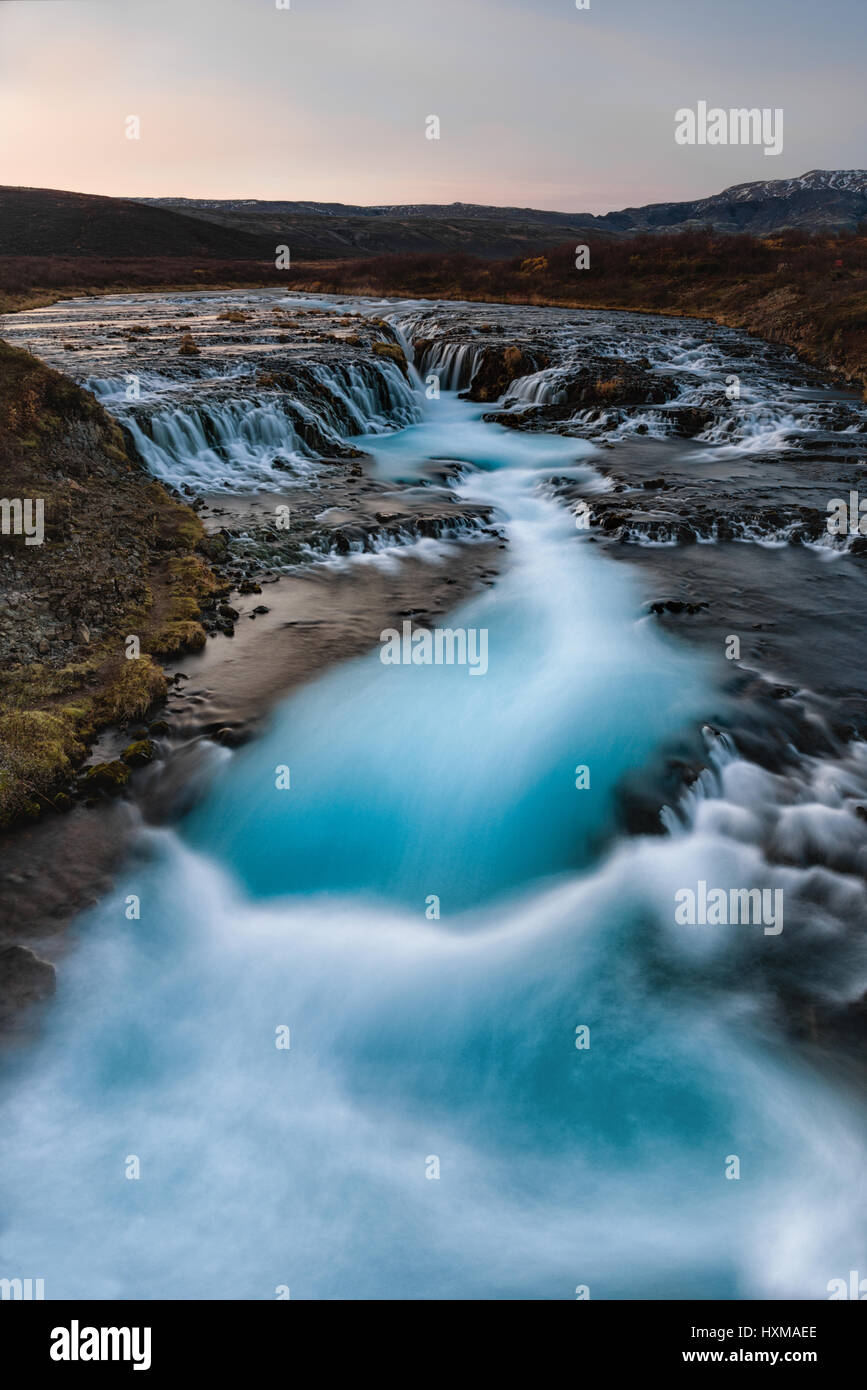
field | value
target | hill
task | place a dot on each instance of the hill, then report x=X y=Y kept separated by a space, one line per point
x=50 y=222
x=820 y=201
x=329 y=231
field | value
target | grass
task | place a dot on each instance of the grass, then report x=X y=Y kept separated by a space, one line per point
x=116 y=542
x=40 y=747
x=393 y=352
x=137 y=685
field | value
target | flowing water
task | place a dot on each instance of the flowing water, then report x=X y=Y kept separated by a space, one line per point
x=429 y=915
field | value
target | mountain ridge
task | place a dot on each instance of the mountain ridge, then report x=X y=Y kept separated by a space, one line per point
x=57 y=224
x=842 y=189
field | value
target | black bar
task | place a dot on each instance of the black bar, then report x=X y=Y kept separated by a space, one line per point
x=227 y=1337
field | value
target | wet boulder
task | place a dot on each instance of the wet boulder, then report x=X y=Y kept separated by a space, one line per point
x=24 y=979
x=108 y=777
x=497 y=367
x=613 y=382
x=139 y=753
x=690 y=420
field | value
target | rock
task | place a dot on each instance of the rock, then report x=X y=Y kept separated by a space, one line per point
x=214 y=547
x=690 y=420
x=500 y=366
x=226 y=611
x=394 y=352
x=24 y=979
x=139 y=753
x=676 y=605
x=108 y=777
x=231 y=738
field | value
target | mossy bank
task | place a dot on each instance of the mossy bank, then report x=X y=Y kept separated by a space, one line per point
x=102 y=572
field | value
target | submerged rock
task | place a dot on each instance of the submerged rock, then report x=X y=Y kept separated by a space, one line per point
x=139 y=753
x=109 y=777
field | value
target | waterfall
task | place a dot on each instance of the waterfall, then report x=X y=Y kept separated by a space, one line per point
x=454 y=363
x=207 y=434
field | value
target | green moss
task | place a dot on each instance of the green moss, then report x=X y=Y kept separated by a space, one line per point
x=188 y=529
x=183 y=608
x=393 y=352
x=38 y=749
x=138 y=753
x=140 y=684
x=108 y=777
x=192 y=575
x=76 y=713
x=51 y=713
x=179 y=636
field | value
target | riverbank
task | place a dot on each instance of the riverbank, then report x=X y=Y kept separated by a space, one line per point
x=109 y=579
x=809 y=293
x=36 y=282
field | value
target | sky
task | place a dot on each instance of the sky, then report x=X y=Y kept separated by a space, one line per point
x=540 y=104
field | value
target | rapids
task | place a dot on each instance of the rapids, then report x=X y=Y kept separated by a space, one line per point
x=435 y=1129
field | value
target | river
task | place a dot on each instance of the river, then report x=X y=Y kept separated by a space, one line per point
x=406 y=1013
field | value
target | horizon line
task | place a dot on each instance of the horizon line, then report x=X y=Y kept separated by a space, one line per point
x=456 y=203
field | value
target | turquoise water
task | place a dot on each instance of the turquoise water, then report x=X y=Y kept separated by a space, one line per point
x=409 y=780
x=424 y=1043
